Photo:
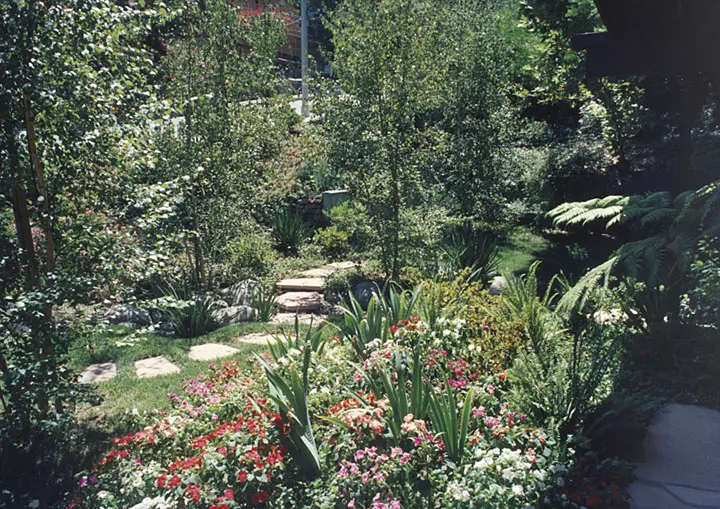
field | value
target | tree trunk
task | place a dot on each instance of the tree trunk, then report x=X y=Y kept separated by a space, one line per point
x=43 y=203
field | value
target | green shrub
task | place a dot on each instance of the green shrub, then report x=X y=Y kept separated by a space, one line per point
x=289 y=232
x=334 y=243
x=250 y=257
x=351 y=218
x=491 y=339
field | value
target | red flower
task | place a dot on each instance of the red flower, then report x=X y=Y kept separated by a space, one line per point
x=193 y=492
x=222 y=450
x=229 y=494
x=174 y=481
x=160 y=482
x=393 y=329
x=260 y=497
x=242 y=476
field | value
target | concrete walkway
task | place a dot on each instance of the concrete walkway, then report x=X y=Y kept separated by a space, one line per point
x=682 y=461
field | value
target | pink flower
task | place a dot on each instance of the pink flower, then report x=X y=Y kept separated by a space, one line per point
x=491 y=389
x=351 y=504
x=405 y=459
x=359 y=454
x=395 y=451
x=479 y=412
x=365 y=477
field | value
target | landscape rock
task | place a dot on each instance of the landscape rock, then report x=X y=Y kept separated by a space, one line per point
x=233 y=314
x=319 y=272
x=364 y=291
x=239 y=294
x=497 y=286
x=300 y=301
x=127 y=314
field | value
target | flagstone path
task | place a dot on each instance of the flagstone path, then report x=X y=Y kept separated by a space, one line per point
x=681 y=468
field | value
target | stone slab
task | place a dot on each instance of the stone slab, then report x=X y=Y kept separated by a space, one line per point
x=308 y=284
x=303 y=319
x=155 y=366
x=693 y=496
x=210 y=351
x=341 y=265
x=256 y=338
x=96 y=373
x=300 y=301
x=647 y=496
x=319 y=272
x=681 y=460
x=682 y=447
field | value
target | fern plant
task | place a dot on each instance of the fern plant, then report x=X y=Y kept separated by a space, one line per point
x=670 y=229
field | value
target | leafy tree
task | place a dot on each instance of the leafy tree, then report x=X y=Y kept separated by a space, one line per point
x=219 y=68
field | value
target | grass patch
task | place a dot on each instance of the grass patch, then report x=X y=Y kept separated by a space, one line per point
x=521 y=248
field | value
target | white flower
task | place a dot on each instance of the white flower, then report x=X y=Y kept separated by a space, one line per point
x=34 y=504
x=518 y=490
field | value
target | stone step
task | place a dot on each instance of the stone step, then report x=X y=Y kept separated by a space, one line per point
x=303 y=319
x=96 y=373
x=300 y=301
x=309 y=284
x=328 y=270
x=210 y=351
x=155 y=366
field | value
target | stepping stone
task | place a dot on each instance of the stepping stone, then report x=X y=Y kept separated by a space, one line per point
x=319 y=272
x=155 y=366
x=256 y=338
x=303 y=319
x=314 y=284
x=300 y=301
x=210 y=351
x=682 y=460
x=341 y=265
x=96 y=373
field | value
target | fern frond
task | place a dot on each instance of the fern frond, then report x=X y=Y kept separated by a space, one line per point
x=576 y=296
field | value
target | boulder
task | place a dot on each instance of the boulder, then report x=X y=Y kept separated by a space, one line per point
x=127 y=314
x=364 y=291
x=239 y=294
x=497 y=286
x=233 y=314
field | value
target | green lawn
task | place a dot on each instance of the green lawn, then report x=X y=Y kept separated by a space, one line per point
x=522 y=247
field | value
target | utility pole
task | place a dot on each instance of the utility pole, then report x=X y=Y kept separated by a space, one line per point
x=304 y=55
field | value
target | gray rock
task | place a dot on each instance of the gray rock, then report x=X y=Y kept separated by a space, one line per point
x=233 y=314
x=239 y=294
x=497 y=286
x=364 y=291
x=125 y=313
